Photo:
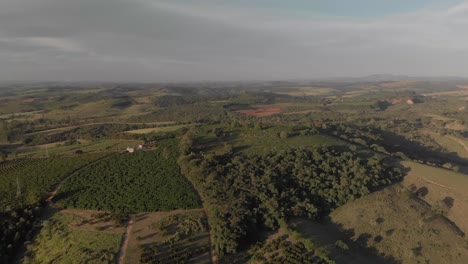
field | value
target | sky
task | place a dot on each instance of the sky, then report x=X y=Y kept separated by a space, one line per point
x=221 y=40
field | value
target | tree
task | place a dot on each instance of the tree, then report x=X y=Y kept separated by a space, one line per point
x=283 y=134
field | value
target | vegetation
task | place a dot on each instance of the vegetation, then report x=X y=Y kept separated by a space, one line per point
x=36 y=177
x=59 y=242
x=248 y=193
x=271 y=161
x=24 y=185
x=182 y=236
x=131 y=182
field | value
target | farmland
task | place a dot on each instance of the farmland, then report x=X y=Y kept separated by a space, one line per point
x=25 y=185
x=260 y=173
x=140 y=181
x=36 y=177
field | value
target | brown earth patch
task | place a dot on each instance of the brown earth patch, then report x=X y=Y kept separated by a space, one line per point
x=264 y=110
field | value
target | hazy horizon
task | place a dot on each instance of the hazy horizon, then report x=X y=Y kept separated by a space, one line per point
x=207 y=40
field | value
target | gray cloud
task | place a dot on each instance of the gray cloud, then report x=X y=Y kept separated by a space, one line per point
x=145 y=40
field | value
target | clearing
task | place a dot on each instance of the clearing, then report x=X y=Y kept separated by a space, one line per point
x=73 y=236
x=168 y=236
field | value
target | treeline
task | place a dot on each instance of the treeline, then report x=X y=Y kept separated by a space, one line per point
x=246 y=194
x=16 y=227
x=402 y=144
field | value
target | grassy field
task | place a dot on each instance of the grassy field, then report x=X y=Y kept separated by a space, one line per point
x=76 y=237
x=157 y=236
x=394 y=224
x=440 y=185
x=254 y=141
x=452 y=144
x=107 y=145
x=156 y=129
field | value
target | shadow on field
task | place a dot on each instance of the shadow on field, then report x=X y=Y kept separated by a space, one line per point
x=65 y=195
x=339 y=242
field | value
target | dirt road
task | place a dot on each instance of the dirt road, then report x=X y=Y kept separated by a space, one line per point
x=123 y=247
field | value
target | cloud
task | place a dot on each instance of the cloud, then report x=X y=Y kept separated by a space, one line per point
x=149 y=40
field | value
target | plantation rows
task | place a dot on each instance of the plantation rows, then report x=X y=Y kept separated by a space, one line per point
x=12 y=165
x=36 y=177
x=140 y=181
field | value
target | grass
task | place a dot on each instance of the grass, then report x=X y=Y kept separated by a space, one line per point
x=156 y=129
x=440 y=184
x=253 y=141
x=393 y=224
x=451 y=143
x=86 y=146
x=151 y=233
x=60 y=241
x=21 y=114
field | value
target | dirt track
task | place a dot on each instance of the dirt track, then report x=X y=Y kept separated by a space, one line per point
x=460 y=142
x=123 y=247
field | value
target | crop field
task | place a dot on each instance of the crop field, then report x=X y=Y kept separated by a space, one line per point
x=76 y=237
x=166 y=237
x=134 y=182
x=400 y=228
x=36 y=177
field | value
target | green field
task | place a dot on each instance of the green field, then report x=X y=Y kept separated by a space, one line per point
x=140 y=181
x=36 y=177
x=260 y=141
x=155 y=129
x=61 y=240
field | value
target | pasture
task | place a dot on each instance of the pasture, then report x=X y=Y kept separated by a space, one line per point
x=156 y=129
x=388 y=226
x=168 y=237
x=438 y=186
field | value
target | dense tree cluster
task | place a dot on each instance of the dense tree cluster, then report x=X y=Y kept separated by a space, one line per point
x=247 y=193
x=16 y=227
x=139 y=181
